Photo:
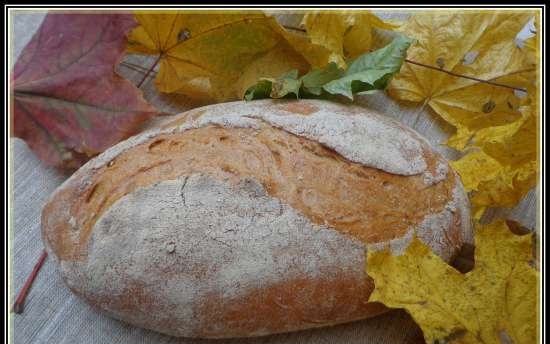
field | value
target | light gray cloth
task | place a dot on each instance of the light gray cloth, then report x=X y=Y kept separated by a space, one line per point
x=54 y=315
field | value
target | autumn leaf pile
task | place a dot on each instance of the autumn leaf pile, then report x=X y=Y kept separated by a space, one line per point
x=69 y=105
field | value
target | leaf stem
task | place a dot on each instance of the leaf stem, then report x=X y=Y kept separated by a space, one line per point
x=149 y=71
x=20 y=300
x=465 y=76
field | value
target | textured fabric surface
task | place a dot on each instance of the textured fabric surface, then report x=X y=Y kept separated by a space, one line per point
x=54 y=315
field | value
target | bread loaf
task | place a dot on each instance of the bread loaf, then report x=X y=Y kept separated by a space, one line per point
x=247 y=219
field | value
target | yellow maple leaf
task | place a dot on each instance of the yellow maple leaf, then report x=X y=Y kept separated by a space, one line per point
x=346 y=34
x=505 y=165
x=502 y=186
x=496 y=302
x=479 y=44
x=532 y=42
x=218 y=55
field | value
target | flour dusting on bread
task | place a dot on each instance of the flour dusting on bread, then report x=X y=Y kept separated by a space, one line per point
x=205 y=236
x=364 y=137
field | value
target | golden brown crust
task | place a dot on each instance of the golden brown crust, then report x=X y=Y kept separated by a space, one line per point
x=363 y=202
x=284 y=307
x=281 y=307
x=367 y=203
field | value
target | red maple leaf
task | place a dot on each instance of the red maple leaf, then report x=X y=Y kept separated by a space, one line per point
x=68 y=102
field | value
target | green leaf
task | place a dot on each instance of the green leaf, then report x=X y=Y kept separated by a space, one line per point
x=275 y=88
x=286 y=84
x=259 y=91
x=371 y=71
x=366 y=74
x=314 y=80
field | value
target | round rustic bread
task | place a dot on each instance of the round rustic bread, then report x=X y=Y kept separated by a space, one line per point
x=246 y=219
